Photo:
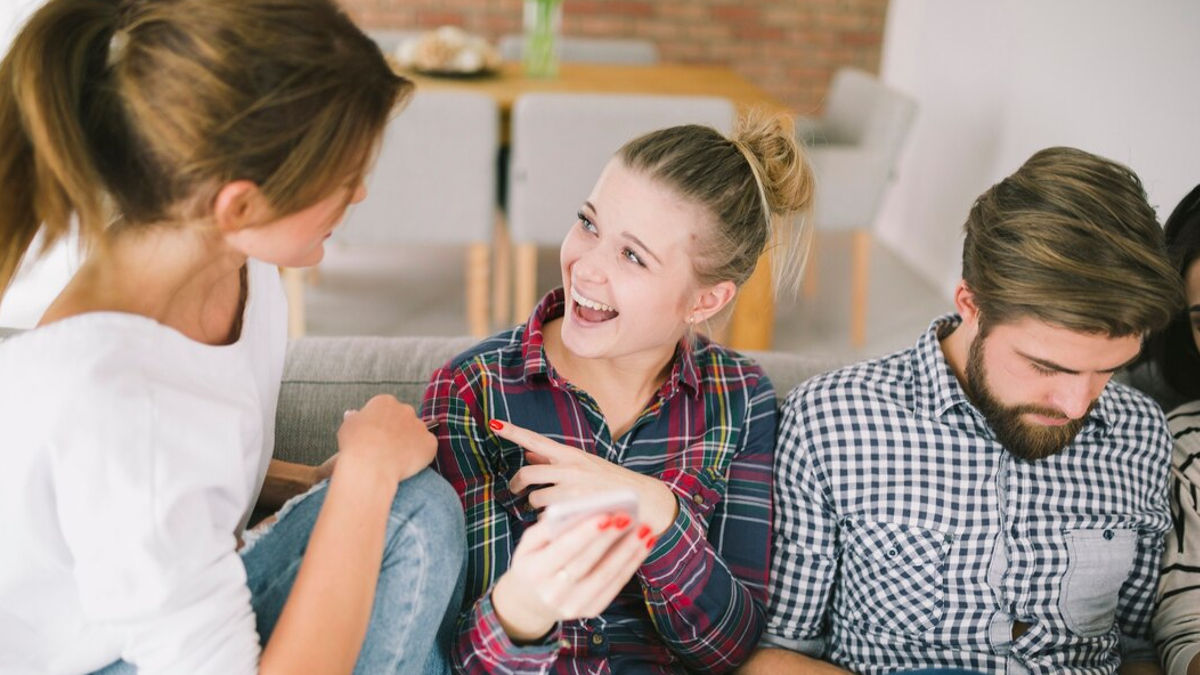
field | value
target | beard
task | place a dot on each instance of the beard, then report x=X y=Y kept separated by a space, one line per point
x=1020 y=438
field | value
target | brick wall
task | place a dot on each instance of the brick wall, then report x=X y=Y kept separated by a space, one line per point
x=788 y=47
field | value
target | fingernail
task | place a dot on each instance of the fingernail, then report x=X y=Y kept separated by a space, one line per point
x=606 y=523
x=643 y=531
x=650 y=542
x=621 y=522
x=496 y=425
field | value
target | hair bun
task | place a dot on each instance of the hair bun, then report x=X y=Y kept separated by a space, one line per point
x=770 y=138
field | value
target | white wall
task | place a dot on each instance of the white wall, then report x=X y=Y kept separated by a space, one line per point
x=997 y=81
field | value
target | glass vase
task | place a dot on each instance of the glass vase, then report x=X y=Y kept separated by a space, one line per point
x=543 y=23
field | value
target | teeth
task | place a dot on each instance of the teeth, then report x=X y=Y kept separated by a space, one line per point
x=590 y=304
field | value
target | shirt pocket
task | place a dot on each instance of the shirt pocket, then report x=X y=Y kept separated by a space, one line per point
x=894 y=575
x=1099 y=563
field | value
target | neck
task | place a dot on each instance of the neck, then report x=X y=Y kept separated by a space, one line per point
x=635 y=376
x=954 y=348
x=183 y=276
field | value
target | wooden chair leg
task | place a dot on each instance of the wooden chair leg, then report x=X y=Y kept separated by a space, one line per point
x=860 y=265
x=753 y=322
x=502 y=271
x=524 y=281
x=293 y=288
x=478 y=276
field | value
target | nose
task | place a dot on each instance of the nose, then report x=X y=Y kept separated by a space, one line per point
x=360 y=192
x=590 y=266
x=1076 y=394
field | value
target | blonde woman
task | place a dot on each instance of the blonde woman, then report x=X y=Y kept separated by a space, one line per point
x=199 y=144
x=607 y=388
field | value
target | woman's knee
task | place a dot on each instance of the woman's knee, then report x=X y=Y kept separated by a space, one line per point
x=427 y=502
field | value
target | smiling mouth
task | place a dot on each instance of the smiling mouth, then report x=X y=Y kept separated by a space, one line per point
x=591 y=311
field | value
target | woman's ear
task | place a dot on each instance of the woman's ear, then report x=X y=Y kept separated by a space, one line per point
x=238 y=204
x=712 y=300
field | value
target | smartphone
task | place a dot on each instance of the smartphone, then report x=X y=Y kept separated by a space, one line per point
x=558 y=517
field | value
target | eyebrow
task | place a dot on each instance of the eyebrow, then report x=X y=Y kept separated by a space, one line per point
x=627 y=235
x=1194 y=308
x=1050 y=365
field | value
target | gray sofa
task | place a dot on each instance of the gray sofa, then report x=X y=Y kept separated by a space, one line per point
x=325 y=376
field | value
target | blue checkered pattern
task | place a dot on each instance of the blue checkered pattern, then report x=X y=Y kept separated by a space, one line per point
x=907 y=537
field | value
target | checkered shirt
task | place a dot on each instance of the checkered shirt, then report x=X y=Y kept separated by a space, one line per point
x=907 y=537
x=698 y=603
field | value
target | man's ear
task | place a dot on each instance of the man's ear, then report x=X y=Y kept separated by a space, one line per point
x=712 y=300
x=964 y=303
x=238 y=204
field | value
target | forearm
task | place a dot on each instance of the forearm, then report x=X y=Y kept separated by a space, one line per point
x=696 y=603
x=768 y=661
x=285 y=480
x=325 y=617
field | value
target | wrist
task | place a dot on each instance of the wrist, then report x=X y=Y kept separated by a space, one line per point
x=362 y=476
x=521 y=624
x=664 y=507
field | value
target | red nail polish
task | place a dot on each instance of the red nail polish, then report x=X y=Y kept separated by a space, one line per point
x=606 y=523
x=650 y=542
x=496 y=425
x=643 y=531
x=621 y=522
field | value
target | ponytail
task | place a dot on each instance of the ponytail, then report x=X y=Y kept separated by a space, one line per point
x=47 y=167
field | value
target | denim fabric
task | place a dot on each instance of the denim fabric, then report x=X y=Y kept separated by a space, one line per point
x=420 y=579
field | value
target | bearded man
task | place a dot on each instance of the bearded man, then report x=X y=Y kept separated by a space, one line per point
x=988 y=500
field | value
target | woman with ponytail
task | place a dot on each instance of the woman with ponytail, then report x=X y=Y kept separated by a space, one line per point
x=197 y=145
x=608 y=389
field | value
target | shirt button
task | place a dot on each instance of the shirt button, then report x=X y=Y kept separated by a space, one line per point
x=1108 y=534
x=564 y=644
x=597 y=639
x=698 y=500
x=892 y=553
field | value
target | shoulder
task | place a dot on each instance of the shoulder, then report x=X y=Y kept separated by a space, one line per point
x=885 y=380
x=721 y=366
x=1134 y=412
x=1184 y=425
x=501 y=355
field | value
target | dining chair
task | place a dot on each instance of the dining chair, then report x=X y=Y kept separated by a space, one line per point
x=560 y=143
x=434 y=182
x=629 y=51
x=854 y=148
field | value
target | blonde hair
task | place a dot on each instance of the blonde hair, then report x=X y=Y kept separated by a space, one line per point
x=138 y=111
x=756 y=184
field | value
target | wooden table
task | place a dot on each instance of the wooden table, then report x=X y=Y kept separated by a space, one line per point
x=753 y=318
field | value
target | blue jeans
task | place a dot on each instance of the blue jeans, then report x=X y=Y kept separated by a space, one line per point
x=420 y=581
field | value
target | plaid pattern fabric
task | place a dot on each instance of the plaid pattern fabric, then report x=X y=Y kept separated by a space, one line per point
x=907 y=537
x=699 y=600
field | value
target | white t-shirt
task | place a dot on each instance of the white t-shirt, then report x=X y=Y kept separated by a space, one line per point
x=132 y=456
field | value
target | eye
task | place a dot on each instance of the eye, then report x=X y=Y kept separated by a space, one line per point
x=586 y=223
x=1042 y=370
x=631 y=256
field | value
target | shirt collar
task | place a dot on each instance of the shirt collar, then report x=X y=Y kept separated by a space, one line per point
x=684 y=370
x=936 y=389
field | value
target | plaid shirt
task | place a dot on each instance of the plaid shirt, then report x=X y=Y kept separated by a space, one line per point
x=699 y=600
x=907 y=537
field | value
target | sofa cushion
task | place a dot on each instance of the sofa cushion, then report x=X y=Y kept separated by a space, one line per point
x=325 y=376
